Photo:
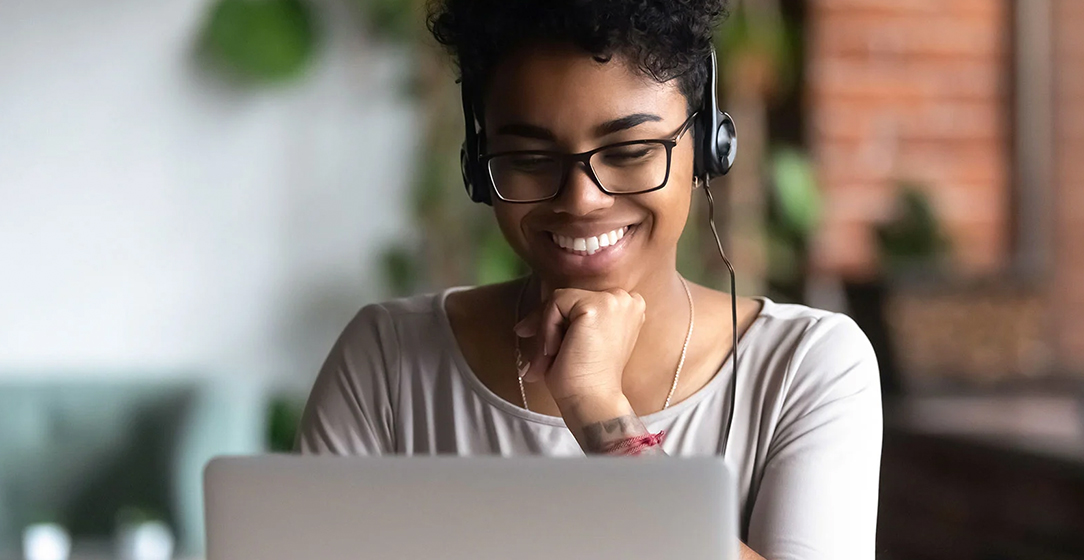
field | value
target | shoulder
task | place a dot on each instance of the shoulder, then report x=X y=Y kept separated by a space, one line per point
x=809 y=329
x=424 y=327
x=812 y=353
x=396 y=320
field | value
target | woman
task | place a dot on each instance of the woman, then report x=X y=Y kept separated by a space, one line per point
x=586 y=113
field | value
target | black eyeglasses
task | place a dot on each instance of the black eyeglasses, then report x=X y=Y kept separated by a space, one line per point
x=633 y=167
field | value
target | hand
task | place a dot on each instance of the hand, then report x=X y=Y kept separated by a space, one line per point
x=583 y=342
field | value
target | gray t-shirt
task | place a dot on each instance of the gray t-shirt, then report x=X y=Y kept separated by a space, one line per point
x=805 y=445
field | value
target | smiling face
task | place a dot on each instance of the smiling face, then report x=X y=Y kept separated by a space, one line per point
x=560 y=98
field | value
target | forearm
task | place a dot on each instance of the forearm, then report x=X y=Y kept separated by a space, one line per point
x=601 y=424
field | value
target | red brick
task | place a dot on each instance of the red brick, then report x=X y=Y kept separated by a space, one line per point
x=977 y=250
x=1069 y=45
x=845 y=247
x=937 y=120
x=913 y=79
x=1069 y=169
x=858 y=203
x=980 y=162
x=1070 y=124
x=892 y=35
x=1070 y=86
x=911 y=7
x=1068 y=13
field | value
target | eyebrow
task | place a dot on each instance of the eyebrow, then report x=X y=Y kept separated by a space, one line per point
x=604 y=129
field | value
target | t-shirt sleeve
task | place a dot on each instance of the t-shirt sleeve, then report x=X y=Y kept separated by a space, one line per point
x=350 y=408
x=818 y=494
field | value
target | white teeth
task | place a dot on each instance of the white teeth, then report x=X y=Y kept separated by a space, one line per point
x=589 y=245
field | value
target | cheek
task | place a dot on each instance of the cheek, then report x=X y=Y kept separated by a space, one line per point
x=510 y=220
x=669 y=212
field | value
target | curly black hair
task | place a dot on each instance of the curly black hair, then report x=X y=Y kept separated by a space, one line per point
x=664 y=39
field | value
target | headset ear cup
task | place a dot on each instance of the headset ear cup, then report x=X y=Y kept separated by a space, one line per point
x=703 y=155
x=465 y=169
x=726 y=143
x=480 y=187
x=476 y=183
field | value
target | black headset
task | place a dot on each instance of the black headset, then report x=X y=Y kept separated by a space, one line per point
x=716 y=140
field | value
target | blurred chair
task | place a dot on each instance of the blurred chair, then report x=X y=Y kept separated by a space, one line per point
x=79 y=451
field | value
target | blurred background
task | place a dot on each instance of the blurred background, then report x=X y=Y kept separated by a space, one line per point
x=197 y=195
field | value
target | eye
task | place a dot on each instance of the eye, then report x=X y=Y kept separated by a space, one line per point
x=530 y=163
x=631 y=155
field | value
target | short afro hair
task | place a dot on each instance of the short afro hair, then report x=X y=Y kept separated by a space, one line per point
x=664 y=39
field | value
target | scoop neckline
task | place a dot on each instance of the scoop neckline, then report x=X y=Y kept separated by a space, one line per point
x=516 y=410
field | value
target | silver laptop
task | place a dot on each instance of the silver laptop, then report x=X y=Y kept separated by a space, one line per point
x=284 y=507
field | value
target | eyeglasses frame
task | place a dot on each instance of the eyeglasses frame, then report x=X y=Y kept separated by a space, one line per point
x=568 y=160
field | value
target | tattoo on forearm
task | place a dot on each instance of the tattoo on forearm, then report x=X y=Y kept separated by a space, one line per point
x=604 y=437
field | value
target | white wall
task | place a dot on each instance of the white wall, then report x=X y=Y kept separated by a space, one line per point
x=155 y=219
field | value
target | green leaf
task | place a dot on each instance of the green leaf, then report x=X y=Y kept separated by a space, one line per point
x=401 y=271
x=135 y=515
x=263 y=40
x=914 y=236
x=796 y=194
x=284 y=421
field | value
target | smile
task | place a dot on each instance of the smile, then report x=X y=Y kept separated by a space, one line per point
x=590 y=245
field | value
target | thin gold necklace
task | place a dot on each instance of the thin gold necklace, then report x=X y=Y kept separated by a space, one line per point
x=677 y=373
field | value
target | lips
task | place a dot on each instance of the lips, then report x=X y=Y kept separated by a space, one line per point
x=592 y=244
x=578 y=250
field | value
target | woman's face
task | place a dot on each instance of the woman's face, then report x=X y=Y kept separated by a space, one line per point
x=560 y=98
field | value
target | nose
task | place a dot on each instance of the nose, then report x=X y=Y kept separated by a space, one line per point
x=580 y=195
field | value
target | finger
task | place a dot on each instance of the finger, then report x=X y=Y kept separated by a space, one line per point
x=536 y=370
x=550 y=333
x=528 y=326
x=548 y=324
x=574 y=304
x=543 y=347
x=551 y=325
x=568 y=303
x=538 y=364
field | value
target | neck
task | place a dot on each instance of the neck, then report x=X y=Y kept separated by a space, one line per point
x=658 y=347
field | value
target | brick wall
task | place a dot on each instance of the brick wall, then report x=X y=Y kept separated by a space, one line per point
x=911 y=90
x=1068 y=292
